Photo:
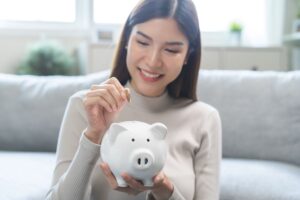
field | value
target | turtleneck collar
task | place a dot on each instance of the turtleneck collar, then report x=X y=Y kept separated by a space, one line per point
x=142 y=102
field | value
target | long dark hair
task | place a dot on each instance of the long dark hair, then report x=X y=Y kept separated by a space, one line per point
x=185 y=14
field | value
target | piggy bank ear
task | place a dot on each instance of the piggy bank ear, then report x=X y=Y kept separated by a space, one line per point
x=115 y=130
x=158 y=130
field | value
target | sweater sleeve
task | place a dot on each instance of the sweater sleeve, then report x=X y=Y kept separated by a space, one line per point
x=208 y=159
x=76 y=156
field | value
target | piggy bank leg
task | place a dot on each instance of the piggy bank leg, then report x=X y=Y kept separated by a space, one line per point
x=148 y=182
x=121 y=182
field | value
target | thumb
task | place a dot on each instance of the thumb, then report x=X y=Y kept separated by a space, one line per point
x=158 y=179
x=127 y=100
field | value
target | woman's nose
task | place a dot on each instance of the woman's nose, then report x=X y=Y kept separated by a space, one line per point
x=154 y=59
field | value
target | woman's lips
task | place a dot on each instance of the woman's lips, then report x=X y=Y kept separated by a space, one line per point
x=149 y=76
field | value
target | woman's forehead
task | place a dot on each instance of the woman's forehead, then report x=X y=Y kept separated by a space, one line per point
x=164 y=29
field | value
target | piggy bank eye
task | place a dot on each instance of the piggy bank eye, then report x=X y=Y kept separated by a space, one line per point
x=148 y=140
x=132 y=139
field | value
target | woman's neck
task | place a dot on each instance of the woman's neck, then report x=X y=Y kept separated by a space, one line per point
x=141 y=101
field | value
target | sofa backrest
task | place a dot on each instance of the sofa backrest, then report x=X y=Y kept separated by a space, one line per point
x=260 y=112
x=32 y=108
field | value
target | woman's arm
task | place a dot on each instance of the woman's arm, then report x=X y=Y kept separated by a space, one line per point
x=76 y=156
x=77 y=153
x=208 y=159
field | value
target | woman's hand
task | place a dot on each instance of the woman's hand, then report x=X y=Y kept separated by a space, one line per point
x=102 y=103
x=162 y=186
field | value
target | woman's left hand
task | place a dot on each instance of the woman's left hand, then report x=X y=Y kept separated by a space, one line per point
x=162 y=187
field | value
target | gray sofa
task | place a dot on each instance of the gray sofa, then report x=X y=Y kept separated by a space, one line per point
x=260 y=113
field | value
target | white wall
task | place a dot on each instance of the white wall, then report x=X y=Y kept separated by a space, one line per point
x=97 y=57
x=13 y=47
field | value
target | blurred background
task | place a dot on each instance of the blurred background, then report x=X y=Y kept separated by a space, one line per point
x=72 y=37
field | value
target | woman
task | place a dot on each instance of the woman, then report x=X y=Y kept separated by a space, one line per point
x=157 y=59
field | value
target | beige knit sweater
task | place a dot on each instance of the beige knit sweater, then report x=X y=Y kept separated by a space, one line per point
x=193 y=160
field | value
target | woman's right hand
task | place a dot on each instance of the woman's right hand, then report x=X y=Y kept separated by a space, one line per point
x=102 y=104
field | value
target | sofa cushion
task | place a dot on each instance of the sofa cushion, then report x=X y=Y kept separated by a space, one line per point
x=259 y=180
x=260 y=112
x=25 y=176
x=32 y=108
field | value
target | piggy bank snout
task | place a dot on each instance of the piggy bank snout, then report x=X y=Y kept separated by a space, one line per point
x=142 y=159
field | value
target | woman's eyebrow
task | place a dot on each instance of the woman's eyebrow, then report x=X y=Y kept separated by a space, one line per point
x=144 y=35
x=176 y=43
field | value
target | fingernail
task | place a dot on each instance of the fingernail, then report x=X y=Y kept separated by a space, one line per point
x=123 y=94
x=127 y=92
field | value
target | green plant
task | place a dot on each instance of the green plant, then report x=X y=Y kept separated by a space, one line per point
x=235 y=27
x=298 y=9
x=47 y=58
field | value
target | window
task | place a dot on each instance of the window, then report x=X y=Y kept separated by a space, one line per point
x=256 y=16
x=112 y=11
x=214 y=15
x=38 y=10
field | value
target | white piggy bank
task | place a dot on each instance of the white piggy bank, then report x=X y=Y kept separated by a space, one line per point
x=136 y=148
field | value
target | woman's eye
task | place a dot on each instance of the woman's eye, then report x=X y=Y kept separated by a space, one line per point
x=172 y=51
x=143 y=43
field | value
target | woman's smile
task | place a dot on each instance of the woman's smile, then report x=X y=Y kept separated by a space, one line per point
x=149 y=76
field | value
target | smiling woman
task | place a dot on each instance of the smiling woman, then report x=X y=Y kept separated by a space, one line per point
x=157 y=59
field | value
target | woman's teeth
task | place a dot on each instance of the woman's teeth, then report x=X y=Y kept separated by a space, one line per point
x=150 y=75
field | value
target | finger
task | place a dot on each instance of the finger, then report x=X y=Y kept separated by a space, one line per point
x=109 y=175
x=91 y=101
x=124 y=91
x=113 y=183
x=127 y=93
x=115 y=88
x=119 y=86
x=96 y=87
x=134 y=184
x=128 y=190
x=101 y=85
x=105 y=94
x=158 y=179
x=116 y=82
x=116 y=94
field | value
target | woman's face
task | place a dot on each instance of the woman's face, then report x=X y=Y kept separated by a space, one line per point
x=156 y=52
